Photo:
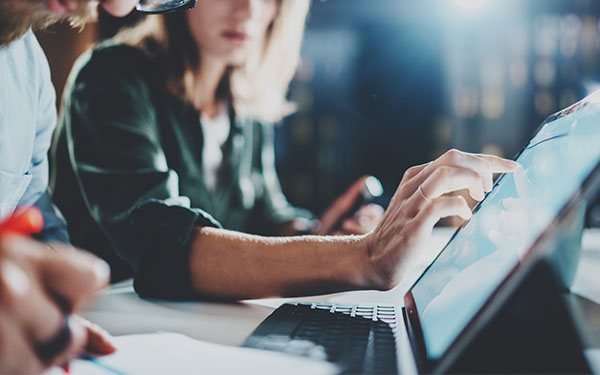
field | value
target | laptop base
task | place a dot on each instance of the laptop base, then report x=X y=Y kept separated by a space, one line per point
x=533 y=332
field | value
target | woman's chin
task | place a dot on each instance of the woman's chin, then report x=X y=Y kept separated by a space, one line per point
x=237 y=59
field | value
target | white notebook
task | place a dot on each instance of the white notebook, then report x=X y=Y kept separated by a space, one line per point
x=171 y=353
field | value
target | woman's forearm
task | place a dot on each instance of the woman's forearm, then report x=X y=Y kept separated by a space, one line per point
x=235 y=265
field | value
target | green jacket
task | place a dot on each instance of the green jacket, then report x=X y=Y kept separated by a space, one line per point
x=128 y=172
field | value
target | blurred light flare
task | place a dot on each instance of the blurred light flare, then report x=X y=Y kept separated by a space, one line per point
x=471 y=4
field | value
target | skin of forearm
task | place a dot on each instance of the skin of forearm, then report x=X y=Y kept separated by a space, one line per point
x=233 y=265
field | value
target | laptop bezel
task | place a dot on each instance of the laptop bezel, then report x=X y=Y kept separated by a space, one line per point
x=412 y=321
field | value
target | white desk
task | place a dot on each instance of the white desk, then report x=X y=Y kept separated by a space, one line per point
x=121 y=311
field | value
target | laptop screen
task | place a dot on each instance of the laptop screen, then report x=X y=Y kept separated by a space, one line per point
x=484 y=251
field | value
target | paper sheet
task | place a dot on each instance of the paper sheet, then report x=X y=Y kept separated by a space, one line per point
x=171 y=353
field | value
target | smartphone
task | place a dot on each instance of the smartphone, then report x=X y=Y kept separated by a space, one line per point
x=372 y=189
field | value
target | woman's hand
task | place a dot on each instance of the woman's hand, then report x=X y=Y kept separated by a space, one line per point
x=338 y=219
x=362 y=222
x=419 y=203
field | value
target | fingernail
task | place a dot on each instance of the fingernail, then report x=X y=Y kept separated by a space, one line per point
x=110 y=343
x=102 y=269
x=110 y=346
x=106 y=346
x=78 y=332
x=488 y=185
x=510 y=163
x=467 y=215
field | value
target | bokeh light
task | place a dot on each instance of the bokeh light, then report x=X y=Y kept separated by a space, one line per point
x=471 y=4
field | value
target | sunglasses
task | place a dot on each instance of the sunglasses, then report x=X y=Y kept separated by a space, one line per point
x=164 y=6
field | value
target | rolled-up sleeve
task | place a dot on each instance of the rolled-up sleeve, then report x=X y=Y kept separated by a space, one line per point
x=114 y=145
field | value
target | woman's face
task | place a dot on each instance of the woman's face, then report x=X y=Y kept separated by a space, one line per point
x=228 y=30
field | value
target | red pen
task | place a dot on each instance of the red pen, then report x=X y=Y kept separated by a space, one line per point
x=24 y=221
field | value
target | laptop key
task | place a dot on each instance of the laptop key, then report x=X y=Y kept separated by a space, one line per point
x=349 y=336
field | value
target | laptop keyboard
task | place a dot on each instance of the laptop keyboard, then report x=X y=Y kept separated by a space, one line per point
x=358 y=338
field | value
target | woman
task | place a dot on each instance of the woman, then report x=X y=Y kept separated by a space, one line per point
x=164 y=141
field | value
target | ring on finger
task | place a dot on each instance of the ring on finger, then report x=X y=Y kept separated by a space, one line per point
x=420 y=189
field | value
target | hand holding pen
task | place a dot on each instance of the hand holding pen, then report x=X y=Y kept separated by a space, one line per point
x=40 y=289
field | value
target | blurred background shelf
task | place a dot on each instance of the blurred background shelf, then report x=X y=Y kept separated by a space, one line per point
x=386 y=84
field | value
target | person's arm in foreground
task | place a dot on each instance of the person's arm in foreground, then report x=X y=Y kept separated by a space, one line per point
x=123 y=173
x=40 y=290
x=234 y=265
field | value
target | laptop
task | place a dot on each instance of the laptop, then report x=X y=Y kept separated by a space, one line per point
x=519 y=222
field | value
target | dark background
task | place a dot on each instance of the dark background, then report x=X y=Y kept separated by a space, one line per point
x=386 y=84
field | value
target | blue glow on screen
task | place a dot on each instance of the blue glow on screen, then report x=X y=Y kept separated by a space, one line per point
x=480 y=256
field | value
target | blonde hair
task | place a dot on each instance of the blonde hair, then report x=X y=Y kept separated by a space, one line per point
x=257 y=88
